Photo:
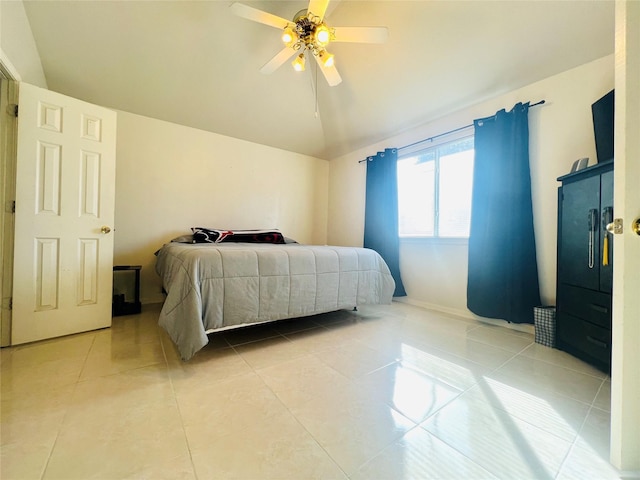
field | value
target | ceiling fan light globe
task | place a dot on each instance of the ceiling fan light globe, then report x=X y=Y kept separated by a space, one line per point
x=289 y=37
x=327 y=59
x=298 y=63
x=322 y=35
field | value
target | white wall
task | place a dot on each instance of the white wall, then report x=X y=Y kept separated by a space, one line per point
x=435 y=272
x=17 y=47
x=170 y=178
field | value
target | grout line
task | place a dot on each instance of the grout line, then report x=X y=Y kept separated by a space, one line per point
x=509 y=359
x=545 y=388
x=175 y=401
x=67 y=408
x=574 y=443
x=558 y=364
x=86 y=359
x=297 y=420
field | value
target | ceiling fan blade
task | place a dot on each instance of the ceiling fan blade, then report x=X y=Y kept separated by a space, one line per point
x=330 y=73
x=272 y=65
x=361 y=34
x=259 y=16
x=332 y=6
x=318 y=7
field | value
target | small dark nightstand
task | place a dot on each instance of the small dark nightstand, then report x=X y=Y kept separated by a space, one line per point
x=120 y=304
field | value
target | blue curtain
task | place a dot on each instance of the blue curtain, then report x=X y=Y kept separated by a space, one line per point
x=503 y=271
x=381 y=212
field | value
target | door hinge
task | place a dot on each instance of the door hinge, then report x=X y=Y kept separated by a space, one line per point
x=13 y=206
x=7 y=303
x=12 y=109
x=15 y=111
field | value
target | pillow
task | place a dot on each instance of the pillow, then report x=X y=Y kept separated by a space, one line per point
x=183 y=239
x=204 y=235
x=207 y=235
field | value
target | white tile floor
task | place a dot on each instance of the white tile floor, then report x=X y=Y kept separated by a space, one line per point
x=388 y=392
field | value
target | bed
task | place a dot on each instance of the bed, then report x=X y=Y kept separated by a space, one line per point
x=217 y=286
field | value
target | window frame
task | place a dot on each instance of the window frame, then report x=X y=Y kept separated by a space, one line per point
x=416 y=151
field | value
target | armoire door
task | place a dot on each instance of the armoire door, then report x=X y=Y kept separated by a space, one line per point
x=580 y=234
x=65 y=197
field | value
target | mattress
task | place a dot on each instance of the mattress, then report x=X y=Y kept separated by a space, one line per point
x=213 y=287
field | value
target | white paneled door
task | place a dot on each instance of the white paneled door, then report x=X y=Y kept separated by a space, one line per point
x=65 y=184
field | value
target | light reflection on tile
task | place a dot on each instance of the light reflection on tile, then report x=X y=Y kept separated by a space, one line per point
x=585 y=464
x=595 y=433
x=504 y=445
x=386 y=392
x=560 y=358
x=420 y=455
x=486 y=355
x=523 y=372
x=556 y=414
x=409 y=391
x=451 y=369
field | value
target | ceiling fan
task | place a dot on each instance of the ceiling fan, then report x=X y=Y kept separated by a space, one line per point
x=308 y=34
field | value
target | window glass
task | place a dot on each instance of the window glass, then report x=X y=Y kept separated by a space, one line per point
x=434 y=190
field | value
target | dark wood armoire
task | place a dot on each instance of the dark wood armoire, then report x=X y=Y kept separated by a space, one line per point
x=585 y=264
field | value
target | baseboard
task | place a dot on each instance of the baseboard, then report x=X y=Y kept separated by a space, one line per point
x=629 y=474
x=525 y=327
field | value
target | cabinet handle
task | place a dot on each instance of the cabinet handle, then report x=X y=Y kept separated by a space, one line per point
x=607 y=217
x=599 y=308
x=599 y=343
x=593 y=227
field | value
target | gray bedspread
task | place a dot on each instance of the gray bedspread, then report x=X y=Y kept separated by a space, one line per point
x=215 y=286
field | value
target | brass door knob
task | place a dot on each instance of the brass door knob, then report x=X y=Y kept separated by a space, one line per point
x=635 y=226
x=105 y=229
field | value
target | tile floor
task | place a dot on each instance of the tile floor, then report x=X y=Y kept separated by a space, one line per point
x=388 y=392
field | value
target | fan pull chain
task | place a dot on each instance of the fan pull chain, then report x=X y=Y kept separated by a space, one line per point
x=316 y=89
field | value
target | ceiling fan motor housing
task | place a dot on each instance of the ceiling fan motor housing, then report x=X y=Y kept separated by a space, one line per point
x=306 y=25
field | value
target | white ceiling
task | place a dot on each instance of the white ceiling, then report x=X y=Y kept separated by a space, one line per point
x=196 y=64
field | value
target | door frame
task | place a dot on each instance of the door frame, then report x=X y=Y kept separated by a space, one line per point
x=9 y=79
x=625 y=381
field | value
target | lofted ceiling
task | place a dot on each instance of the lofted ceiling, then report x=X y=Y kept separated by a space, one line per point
x=196 y=64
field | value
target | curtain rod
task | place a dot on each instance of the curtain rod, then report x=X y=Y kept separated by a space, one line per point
x=541 y=102
x=453 y=131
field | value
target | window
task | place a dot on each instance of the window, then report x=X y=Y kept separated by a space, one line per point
x=434 y=190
